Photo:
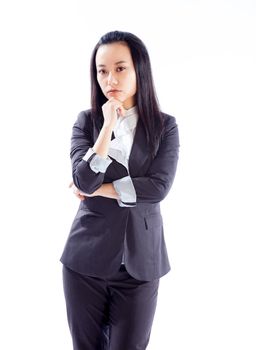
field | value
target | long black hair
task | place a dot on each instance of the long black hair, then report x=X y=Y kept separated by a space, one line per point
x=146 y=99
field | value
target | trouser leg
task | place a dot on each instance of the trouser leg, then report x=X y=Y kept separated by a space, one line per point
x=131 y=312
x=113 y=314
x=86 y=302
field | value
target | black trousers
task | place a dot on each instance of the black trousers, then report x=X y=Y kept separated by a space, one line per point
x=109 y=314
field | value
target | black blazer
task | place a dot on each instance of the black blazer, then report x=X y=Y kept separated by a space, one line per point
x=103 y=232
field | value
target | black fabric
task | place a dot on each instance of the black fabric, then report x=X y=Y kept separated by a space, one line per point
x=109 y=314
x=102 y=232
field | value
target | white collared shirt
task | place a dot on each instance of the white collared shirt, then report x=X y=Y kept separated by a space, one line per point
x=120 y=149
x=124 y=131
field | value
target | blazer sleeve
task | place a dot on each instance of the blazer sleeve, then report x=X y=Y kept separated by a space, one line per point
x=155 y=185
x=88 y=168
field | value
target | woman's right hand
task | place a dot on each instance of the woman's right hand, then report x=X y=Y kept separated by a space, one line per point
x=111 y=110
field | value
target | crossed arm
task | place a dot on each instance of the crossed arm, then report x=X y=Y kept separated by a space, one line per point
x=89 y=167
x=105 y=190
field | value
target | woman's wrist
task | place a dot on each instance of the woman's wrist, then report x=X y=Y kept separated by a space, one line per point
x=101 y=146
x=107 y=127
x=106 y=190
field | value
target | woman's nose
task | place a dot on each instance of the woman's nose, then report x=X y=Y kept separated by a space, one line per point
x=111 y=79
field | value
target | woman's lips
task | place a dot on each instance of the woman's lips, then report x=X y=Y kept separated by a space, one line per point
x=111 y=92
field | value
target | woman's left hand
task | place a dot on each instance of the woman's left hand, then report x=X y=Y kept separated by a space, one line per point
x=79 y=194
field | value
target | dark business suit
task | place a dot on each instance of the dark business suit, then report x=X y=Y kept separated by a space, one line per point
x=103 y=233
x=102 y=230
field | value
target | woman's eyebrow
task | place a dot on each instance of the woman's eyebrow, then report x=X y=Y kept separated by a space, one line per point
x=103 y=65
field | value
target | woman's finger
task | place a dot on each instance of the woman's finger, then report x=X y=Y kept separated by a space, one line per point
x=81 y=197
x=76 y=191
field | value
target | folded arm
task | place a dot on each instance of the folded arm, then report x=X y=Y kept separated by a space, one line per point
x=89 y=168
x=155 y=185
x=88 y=164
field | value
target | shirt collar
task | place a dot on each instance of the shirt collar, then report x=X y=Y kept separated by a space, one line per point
x=131 y=111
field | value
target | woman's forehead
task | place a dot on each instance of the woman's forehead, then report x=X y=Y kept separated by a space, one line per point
x=114 y=53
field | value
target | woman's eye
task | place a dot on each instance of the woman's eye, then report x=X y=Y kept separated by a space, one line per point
x=119 y=69
x=101 y=71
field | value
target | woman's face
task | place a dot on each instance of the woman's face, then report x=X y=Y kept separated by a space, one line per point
x=115 y=73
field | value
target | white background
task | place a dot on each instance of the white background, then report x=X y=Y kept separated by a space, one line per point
x=204 y=63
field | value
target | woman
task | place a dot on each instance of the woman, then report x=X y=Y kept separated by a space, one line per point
x=124 y=154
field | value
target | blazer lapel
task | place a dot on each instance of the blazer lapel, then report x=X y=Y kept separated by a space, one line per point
x=139 y=152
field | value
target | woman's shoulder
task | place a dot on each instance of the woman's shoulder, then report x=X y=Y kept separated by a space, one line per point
x=168 y=118
x=84 y=118
x=85 y=114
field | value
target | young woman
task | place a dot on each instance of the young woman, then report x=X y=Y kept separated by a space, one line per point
x=124 y=154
